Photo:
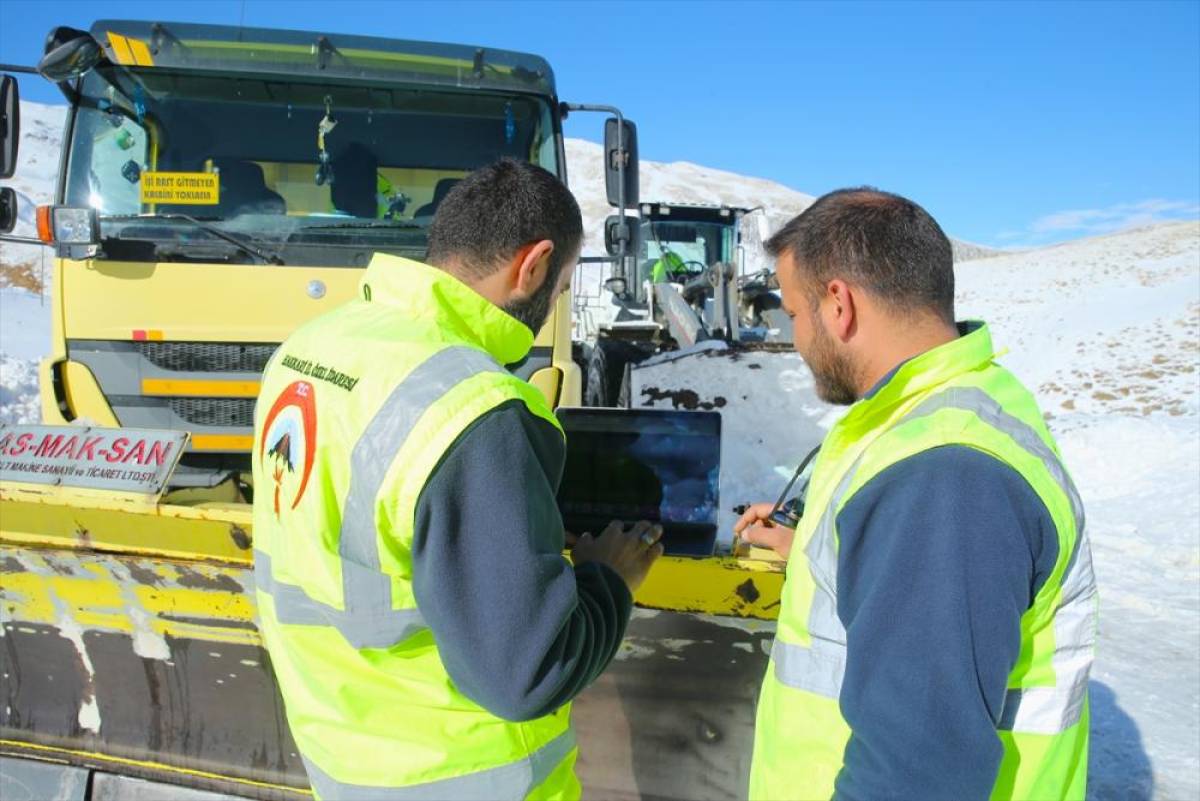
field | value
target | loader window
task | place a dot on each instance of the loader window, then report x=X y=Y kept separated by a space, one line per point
x=698 y=244
x=242 y=153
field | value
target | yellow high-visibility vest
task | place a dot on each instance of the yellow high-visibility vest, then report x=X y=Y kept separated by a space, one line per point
x=356 y=410
x=952 y=395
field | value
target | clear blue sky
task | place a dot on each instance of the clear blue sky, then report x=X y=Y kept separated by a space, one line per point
x=1013 y=123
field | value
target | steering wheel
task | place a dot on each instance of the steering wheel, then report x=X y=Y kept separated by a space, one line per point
x=700 y=267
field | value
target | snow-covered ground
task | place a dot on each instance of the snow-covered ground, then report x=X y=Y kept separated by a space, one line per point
x=24 y=338
x=1105 y=330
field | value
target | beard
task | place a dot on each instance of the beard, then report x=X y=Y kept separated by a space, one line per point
x=833 y=374
x=534 y=310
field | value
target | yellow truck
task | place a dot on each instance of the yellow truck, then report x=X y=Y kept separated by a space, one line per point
x=220 y=186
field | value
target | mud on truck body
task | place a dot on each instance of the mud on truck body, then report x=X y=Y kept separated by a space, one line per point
x=218 y=187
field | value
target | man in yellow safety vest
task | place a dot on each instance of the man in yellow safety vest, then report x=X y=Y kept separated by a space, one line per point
x=669 y=267
x=938 y=621
x=425 y=630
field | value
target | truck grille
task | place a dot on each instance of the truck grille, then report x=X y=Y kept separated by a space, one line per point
x=207 y=357
x=215 y=411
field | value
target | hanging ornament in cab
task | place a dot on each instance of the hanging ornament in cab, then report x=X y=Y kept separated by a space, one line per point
x=139 y=103
x=324 y=127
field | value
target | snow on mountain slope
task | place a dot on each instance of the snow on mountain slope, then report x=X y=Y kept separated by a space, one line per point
x=37 y=170
x=24 y=269
x=684 y=182
x=1105 y=330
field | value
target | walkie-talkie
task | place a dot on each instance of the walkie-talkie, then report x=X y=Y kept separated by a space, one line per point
x=787 y=513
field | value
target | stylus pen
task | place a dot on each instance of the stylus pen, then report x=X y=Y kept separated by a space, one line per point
x=775 y=516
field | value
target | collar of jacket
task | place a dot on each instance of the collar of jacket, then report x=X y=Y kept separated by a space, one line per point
x=426 y=293
x=970 y=351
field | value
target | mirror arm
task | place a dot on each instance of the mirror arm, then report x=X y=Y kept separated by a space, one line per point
x=24 y=240
x=616 y=112
x=69 y=91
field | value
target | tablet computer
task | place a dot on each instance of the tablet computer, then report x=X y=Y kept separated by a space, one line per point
x=643 y=464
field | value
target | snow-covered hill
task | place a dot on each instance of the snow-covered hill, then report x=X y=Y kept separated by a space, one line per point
x=1105 y=330
x=684 y=182
x=25 y=266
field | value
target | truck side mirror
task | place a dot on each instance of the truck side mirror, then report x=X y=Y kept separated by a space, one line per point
x=618 y=228
x=69 y=53
x=8 y=209
x=625 y=155
x=10 y=125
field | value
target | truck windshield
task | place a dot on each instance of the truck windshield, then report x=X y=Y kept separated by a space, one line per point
x=243 y=154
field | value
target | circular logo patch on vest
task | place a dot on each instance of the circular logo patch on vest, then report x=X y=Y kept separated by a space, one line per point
x=290 y=439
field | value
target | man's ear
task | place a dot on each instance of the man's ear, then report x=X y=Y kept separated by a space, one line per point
x=529 y=268
x=840 y=309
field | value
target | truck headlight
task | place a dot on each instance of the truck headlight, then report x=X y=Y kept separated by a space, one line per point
x=68 y=225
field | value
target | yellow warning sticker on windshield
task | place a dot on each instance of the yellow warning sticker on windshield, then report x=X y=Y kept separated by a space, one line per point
x=197 y=188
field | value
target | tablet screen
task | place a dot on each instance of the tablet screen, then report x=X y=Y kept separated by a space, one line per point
x=643 y=464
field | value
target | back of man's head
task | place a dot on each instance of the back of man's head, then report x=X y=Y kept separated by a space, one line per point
x=498 y=209
x=882 y=242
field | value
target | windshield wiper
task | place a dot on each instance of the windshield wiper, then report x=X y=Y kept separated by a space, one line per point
x=244 y=246
x=360 y=224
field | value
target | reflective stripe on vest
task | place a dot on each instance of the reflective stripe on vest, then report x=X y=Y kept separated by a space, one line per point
x=368 y=619
x=820 y=667
x=512 y=781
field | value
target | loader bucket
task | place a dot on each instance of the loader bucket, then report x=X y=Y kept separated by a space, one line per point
x=771 y=415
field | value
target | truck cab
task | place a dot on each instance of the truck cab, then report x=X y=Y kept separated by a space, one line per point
x=233 y=182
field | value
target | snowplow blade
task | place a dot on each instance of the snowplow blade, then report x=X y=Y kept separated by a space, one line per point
x=771 y=417
x=130 y=654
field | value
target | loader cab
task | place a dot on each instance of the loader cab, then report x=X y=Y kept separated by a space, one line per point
x=679 y=243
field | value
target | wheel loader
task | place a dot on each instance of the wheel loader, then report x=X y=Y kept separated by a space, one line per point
x=220 y=186
x=681 y=287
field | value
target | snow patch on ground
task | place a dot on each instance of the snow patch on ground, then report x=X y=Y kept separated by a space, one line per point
x=24 y=339
x=1138 y=478
x=19 y=400
x=25 y=333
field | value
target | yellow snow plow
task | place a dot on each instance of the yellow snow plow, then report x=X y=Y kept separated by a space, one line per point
x=130 y=650
x=222 y=186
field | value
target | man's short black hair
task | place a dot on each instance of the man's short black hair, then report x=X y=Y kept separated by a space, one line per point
x=498 y=209
x=883 y=242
